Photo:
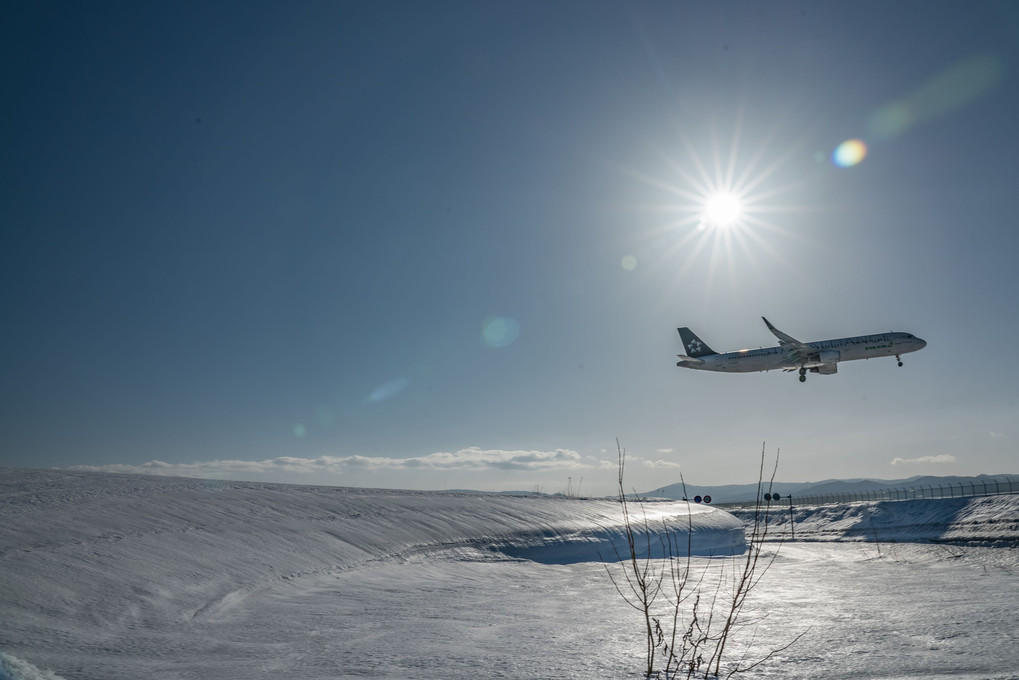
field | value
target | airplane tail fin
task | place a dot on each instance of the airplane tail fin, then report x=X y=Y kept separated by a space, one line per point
x=695 y=347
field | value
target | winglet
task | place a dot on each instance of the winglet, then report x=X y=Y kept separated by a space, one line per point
x=783 y=338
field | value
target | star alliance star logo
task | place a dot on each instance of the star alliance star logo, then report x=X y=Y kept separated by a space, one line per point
x=694 y=346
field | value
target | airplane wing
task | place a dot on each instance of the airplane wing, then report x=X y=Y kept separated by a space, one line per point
x=800 y=351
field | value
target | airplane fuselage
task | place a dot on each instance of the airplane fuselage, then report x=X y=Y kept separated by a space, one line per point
x=829 y=353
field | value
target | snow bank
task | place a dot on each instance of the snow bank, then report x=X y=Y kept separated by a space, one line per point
x=12 y=668
x=990 y=520
x=669 y=531
x=86 y=553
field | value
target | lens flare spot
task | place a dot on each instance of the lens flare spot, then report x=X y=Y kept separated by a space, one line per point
x=300 y=431
x=500 y=331
x=325 y=416
x=629 y=263
x=389 y=390
x=892 y=120
x=943 y=93
x=849 y=153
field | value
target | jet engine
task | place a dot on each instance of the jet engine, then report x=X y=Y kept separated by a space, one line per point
x=828 y=369
x=828 y=356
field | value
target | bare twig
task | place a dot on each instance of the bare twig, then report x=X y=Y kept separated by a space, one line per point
x=692 y=637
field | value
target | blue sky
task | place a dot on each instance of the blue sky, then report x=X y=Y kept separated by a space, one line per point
x=447 y=245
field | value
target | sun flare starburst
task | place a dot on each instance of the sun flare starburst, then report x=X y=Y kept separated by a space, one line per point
x=725 y=211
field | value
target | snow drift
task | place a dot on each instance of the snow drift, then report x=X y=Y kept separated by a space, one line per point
x=103 y=552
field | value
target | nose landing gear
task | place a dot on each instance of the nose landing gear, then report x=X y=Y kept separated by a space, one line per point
x=899 y=359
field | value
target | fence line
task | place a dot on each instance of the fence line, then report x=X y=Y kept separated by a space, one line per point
x=989 y=487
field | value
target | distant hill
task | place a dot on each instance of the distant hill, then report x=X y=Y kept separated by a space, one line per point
x=740 y=492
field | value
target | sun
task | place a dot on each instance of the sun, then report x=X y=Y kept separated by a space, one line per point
x=722 y=210
x=721 y=207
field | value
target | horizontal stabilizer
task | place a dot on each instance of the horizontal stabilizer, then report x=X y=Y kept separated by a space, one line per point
x=689 y=360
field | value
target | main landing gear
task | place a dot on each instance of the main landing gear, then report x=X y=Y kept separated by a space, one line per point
x=803 y=374
x=899 y=360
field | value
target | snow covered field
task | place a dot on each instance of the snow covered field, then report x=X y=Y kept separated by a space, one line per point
x=120 y=577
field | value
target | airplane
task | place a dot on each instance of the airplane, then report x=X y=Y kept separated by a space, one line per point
x=820 y=357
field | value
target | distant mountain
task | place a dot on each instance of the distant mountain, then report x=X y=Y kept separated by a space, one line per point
x=725 y=493
x=740 y=492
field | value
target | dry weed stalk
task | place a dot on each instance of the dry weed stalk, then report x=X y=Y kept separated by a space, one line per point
x=691 y=637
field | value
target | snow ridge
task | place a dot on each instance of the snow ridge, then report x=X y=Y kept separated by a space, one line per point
x=84 y=554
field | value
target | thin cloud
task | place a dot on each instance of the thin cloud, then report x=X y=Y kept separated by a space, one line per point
x=469 y=459
x=659 y=464
x=943 y=458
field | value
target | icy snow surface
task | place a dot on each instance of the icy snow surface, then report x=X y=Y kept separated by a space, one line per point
x=12 y=668
x=990 y=520
x=110 y=577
